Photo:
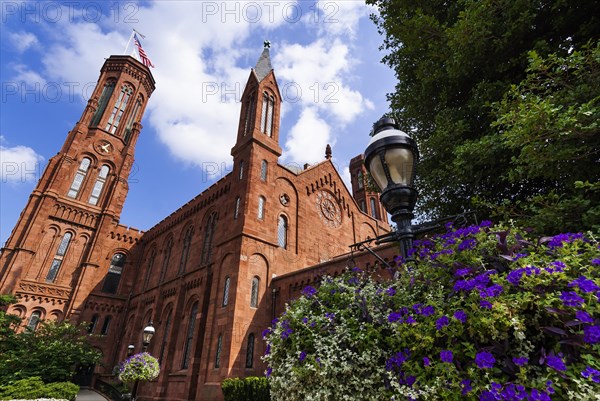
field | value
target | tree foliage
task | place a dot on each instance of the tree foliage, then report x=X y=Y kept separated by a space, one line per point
x=460 y=67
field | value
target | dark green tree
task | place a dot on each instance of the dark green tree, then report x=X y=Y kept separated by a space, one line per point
x=455 y=60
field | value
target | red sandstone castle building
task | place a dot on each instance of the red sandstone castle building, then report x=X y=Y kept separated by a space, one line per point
x=212 y=275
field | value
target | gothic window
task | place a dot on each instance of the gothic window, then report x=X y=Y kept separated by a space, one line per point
x=263 y=170
x=100 y=181
x=165 y=265
x=236 y=212
x=269 y=128
x=360 y=178
x=241 y=169
x=149 y=268
x=186 y=249
x=92 y=325
x=165 y=336
x=373 y=208
x=261 y=207
x=254 y=293
x=105 y=326
x=266 y=117
x=218 y=353
x=226 y=291
x=119 y=109
x=208 y=239
x=250 y=351
x=58 y=258
x=132 y=119
x=363 y=207
x=113 y=277
x=250 y=105
x=282 y=228
x=79 y=177
x=34 y=319
x=107 y=92
x=187 y=350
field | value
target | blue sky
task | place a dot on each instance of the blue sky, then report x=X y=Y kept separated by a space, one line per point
x=325 y=55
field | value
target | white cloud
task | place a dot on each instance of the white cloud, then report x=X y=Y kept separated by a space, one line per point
x=23 y=40
x=19 y=164
x=28 y=76
x=340 y=17
x=308 y=138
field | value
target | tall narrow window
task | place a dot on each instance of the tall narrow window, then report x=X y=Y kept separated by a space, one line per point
x=105 y=326
x=261 y=207
x=254 y=293
x=165 y=337
x=186 y=249
x=241 y=176
x=187 y=350
x=250 y=105
x=360 y=179
x=34 y=319
x=165 y=265
x=79 y=177
x=208 y=238
x=58 y=258
x=149 y=268
x=263 y=113
x=269 y=128
x=218 y=354
x=266 y=116
x=100 y=181
x=107 y=92
x=373 y=208
x=263 y=170
x=282 y=228
x=363 y=206
x=113 y=277
x=132 y=119
x=226 y=291
x=250 y=351
x=236 y=212
x=92 y=325
x=119 y=109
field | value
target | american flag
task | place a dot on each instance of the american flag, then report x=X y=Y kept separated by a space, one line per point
x=144 y=58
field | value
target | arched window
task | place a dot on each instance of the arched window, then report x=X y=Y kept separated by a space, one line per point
x=241 y=176
x=79 y=177
x=107 y=92
x=105 y=326
x=250 y=106
x=263 y=170
x=261 y=207
x=165 y=336
x=373 y=208
x=250 y=351
x=186 y=249
x=92 y=325
x=218 y=353
x=266 y=117
x=360 y=178
x=363 y=206
x=100 y=181
x=254 y=293
x=165 y=265
x=119 y=109
x=226 y=291
x=236 y=212
x=113 y=277
x=208 y=238
x=187 y=350
x=149 y=268
x=34 y=319
x=58 y=258
x=132 y=119
x=282 y=228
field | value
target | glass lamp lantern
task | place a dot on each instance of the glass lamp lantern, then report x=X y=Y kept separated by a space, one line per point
x=147 y=335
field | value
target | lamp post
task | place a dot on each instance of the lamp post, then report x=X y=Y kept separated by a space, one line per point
x=147 y=335
x=390 y=158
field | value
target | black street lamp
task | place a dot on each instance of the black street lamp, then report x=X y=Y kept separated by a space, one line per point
x=390 y=158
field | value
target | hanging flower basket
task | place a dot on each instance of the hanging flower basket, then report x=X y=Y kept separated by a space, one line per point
x=139 y=367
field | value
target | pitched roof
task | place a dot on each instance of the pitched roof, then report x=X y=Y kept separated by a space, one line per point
x=263 y=65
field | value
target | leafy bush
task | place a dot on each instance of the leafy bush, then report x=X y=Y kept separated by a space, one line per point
x=33 y=388
x=483 y=314
x=142 y=366
x=249 y=388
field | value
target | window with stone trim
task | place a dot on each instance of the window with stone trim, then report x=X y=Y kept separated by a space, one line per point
x=360 y=179
x=165 y=337
x=149 y=268
x=119 y=109
x=209 y=232
x=373 y=208
x=166 y=260
x=93 y=323
x=187 y=350
x=107 y=92
x=250 y=106
x=254 y=292
x=186 y=249
x=267 y=113
x=115 y=271
x=100 y=181
x=250 y=351
x=218 y=353
x=263 y=170
x=261 y=208
x=241 y=170
x=82 y=171
x=105 y=325
x=282 y=231
x=236 y=212
x=226 y=291
x=133 y=118
x=58 y=258
x=34 y=320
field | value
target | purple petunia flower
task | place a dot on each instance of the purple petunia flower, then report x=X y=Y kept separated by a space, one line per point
x=426 y=361
x=484 y=360
x=302 y=356
x=487 y=396
x=461 y=316
x=591 y=334
x=269 y=371
x=397 y=360
x=462 y=272
x=466 y=386
x=394 y=317
x=596 y=261
x=427 y=310
x=584 y=317
x=446 y=356
x=442 y=322
x=585 y=284
x=491 y=291
x=410 y=320
x=485 y=304
x=391 y=291
x=556 y=363
x=558 y=266
x=591 y=373
x=514 y=277
x=520 y=361
x=468 y=243
x=309 y=291
x=571 y=298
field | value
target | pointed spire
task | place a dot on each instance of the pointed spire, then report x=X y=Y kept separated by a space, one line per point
x=328 y=152
x=263 y=65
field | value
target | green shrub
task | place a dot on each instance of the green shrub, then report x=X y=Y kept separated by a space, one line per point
x=246 y=389
x=61 y=390
x=33 y=388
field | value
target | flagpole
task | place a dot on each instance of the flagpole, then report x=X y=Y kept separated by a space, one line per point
x=129 y=41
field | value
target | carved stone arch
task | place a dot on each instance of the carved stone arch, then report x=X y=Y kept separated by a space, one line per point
x=367 y=231
x=184 y=230
x=55 y=315
x=19 y=310
x=168 y=308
